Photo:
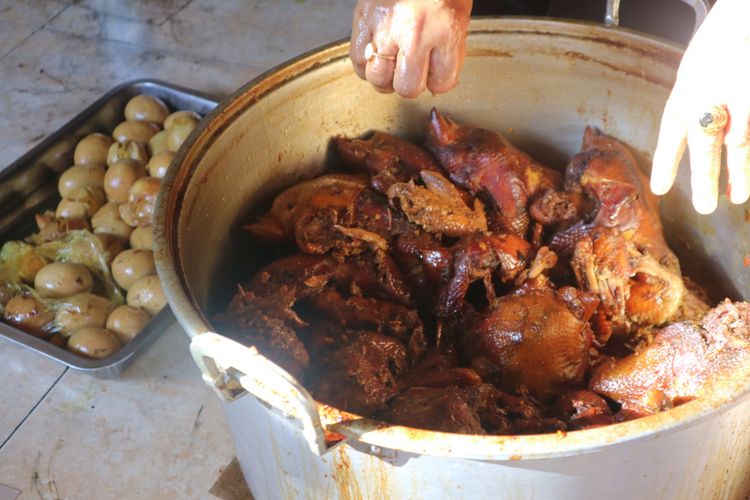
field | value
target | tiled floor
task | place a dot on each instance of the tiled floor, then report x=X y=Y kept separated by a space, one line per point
x=157 y=431
x=57 y=57
x=30 y=376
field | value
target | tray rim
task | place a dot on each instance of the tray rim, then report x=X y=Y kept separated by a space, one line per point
x=92 y=108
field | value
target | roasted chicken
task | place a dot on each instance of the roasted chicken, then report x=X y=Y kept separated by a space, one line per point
x=487 y=165
x=533 y=340
x=361 y=374
x=466 y=288
x=683 y=361
x=618 y=249
x=388 y=159
x=438 y=207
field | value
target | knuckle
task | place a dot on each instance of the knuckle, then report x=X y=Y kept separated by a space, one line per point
x=384 y=87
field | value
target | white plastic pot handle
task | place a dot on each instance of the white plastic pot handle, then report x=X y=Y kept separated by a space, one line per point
x=232 y=369
x=612 y=14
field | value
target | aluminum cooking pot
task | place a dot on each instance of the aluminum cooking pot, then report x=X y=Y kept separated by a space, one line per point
x=539 y=82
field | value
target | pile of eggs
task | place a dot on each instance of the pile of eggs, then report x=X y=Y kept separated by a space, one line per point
x=110 y=191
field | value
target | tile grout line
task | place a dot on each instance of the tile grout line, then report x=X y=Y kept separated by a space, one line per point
x=26 y=417
x=44 y=396
x=21 y=42
x=173 y=52
x=37 y=30
x=173 y=14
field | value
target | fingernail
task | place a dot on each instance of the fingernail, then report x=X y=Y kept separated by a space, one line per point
x=660 y=181
x=705 y=204
x=660 y=185
x=738 y=194
x=383 y=90
x=658 y=188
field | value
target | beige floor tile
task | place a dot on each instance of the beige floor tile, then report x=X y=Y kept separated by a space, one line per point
x=26 y=376
x=52 y=76
x=155 y=432
x=37 y=11
x=89 y=22
x=150 y=11
x=261 y=34
x=14 y=32
x=19 y=19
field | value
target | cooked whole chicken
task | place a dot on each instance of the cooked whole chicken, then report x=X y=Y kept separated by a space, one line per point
x=683 y=361
x=464 y=287
x=485 y=163
x=533 y=339
x=618 y=249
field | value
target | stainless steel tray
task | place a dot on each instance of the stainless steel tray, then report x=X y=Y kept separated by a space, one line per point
x=29 y=186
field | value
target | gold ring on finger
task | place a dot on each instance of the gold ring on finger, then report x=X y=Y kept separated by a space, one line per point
x=371 y=53
x=712 y=122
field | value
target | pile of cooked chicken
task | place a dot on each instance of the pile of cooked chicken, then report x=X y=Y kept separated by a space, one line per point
x=464 y=287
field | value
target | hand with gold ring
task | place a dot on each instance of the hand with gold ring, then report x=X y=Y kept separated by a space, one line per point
x=709 y=108
x=409 y=46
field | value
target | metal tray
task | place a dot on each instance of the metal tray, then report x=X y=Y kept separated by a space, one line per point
x=29 y=186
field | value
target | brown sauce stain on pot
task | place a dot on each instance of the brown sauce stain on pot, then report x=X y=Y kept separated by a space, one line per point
x=577 y=56
x=669 y=57
x=377 y=475
x=344 y=476
x=484 y=52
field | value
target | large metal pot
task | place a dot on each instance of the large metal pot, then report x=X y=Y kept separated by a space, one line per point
x=537 y=81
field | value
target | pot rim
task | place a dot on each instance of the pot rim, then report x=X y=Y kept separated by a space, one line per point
x=370 y=431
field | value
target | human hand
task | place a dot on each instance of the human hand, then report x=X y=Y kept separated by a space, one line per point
x=424 y=44
x=714 y=75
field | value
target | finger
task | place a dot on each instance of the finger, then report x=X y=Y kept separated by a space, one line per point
x=361 y=36
x=445 y=66
x=379 y=70
x=410 y=78
x=737 y=140
x=669 y=147
x=705 y=163
x=357 y=56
